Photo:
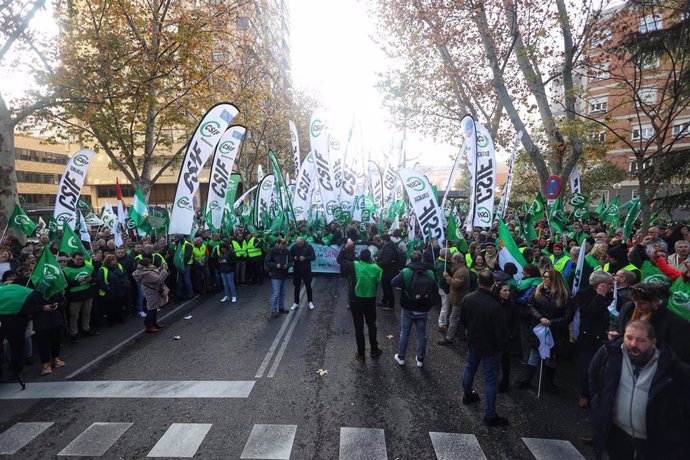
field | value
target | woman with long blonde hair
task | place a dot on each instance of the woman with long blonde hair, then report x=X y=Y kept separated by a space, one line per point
x=551 y=305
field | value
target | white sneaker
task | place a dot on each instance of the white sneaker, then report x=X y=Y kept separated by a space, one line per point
x=224 y=299
x=398 y=360
x=142 y=314
x=311 y=305
x=295 y=306
x=419 y=363
x=234 y=299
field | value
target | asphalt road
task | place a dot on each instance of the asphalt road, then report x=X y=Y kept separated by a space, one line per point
x=293 y=408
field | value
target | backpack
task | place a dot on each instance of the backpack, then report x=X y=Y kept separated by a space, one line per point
x=420 y=291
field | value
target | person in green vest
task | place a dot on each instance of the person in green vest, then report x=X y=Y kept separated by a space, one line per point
x=111 y=281
x=213 y=244
x=239 y=245
x=364 y=277
x=679 y=292
x=80 y=293
x=184 y=278
x=561 y=261
x=254 y=259
x=200 y=272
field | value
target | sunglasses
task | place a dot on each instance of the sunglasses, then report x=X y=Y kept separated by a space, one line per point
x=546 y=277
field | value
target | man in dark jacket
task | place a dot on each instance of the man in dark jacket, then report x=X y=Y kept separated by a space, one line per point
x=302 y=255
x=387 y=260
x=648 y=305
x=487 y=336
x=640 y=399
x=415 y=305
x=80 y=293
x=23 y=301
x=278 y=263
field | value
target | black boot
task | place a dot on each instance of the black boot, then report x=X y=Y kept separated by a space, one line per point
x=526 y=382
x=548 y=385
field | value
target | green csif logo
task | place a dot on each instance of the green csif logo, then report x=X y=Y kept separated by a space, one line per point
x=210 y=128
x=80 y=160
x=184 y=203
x=316 y=128
x=484 y=215
x=416 y=184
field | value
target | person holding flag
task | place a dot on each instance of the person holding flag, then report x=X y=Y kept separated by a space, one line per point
x=80 y=293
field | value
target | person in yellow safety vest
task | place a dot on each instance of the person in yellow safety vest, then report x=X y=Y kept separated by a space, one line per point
x=239 y=245
x=618 y=260
x=561 y=261
x=200 y=272
x=112 y=283
x=184 y=278
x=254 y=259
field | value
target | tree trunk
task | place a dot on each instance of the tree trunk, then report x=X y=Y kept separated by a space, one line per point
x=8 y=176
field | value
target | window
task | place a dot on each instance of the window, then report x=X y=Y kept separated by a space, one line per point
x=635 y=166
x=648 y=61
x=643 y=133
x=635 y=194
x=601 y=37
x=646 y=96
x=600 y=72
x=43 y=157
x=108 y=191
x=650 y=23
x=598 y=105
x=681 y=129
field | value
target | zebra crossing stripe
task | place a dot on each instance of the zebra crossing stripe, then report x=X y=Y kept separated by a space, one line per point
x=362 y=443
x=456 y=446
x=182 y=440
x=130 y=389
x=19 y=435
x=547 y=449
x=95 y=440
x=270 y=442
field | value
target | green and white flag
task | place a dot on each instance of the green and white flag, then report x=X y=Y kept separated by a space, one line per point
x=264 y=198
x=319 y=138
x=70 y=187
x=557 y=218
x=601 y=206
x=108 y=215
x=70 y=242
x=304 y=188
x=221 y=169
x=633 y=214
x=52 y=228
x=20 y=222
x=455 y=233
x=41 y=227
x=47 y=277
x=201 y=146
x=229 y=220
x=508 y=250
x=536 y=212
x=611 y=214
x=481 y=162
x=139 y=213
x=579 y=270
x=580 y=206
x=423 y=203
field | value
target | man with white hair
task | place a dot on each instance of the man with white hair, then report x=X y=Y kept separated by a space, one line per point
x=682 y=249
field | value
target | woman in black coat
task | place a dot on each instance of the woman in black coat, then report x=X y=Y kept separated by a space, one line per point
x=49 y=321
x=509 y=310
x=593 y=304
x=227 y=262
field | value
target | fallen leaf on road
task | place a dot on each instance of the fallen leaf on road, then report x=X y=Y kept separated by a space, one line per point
x=322 y=372
x=188 y=317
x=177 y=337
x=390 y=336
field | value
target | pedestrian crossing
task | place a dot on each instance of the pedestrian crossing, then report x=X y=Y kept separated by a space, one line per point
x=184 y=440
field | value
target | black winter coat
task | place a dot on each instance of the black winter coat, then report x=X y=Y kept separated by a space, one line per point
x=594 y=318
x=278 y=257
x=227 y=260
x=545 y=307
x=482 y=316
x=387 y=259
x=668 y=407
x=306 y=251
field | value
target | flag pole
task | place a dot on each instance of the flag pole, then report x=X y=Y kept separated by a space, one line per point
x=541 y=368
x=4 y=231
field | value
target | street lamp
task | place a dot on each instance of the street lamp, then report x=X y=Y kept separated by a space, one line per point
x=617 y=188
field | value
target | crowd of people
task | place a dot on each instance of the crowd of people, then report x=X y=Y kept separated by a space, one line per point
x=617 y=329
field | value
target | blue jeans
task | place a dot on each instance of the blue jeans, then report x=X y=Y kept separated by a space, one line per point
x=407 y=318
x=491 y=365
x=151 y=318
x=140 y=298
x=184 y=281
x=228 y=283
x=277 y=295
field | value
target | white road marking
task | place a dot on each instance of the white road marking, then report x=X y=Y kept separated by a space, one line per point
x=456 y=446
x=276 y=341
x=123 y=343
x=182 y=440
x=19 y=435
x=129 y=389
x=547 y=449
x=95 y=440
x=270 y=442
x=362 y=444
x=288 y=336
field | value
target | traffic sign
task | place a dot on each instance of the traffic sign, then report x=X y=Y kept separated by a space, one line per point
x=553 y=187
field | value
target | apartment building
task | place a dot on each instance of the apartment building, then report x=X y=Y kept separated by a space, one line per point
x=629 y=95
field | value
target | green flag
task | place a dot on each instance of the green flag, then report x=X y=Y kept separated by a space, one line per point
x=139 y=212
x=557 y=219
x=47 y=277
x=633 y=214
x=52 y=228
x=83 y=206
x=610 y=214
x=655 y=216
x=70 y=242
x=535 y=213
x=178 y=259
x=580 y=206
x=601 y=206
x=455 y=235
x=21 y=222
